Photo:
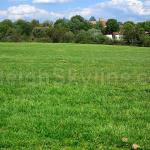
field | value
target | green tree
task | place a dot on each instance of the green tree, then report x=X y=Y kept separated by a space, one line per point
x=34 y=23
x=145 y=25
x=132 y=33
x=23 y=27
x=83 y=37
x=112 y=26
x=40 y=32
x=145 y=40
x=69 y=37
x=128 y=32
x=95 y=36
x=5 y=25
x=64 y=23
x=78 y=23
x=47 y=24
x=139 y=32
x=12 y=35
x=58 y=33
x=129 y=22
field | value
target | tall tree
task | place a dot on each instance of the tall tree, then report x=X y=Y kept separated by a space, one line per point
x=78 y=23
x=5 y=25
x=64 y=23
x=34 y=23
x=47 y=23
x=112 y=26
x=57 y=34
x=129 y=32
x=23 y=27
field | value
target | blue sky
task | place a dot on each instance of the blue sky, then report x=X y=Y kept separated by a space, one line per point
x=123 y=10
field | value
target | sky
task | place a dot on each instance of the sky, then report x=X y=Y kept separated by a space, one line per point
x=123 y=10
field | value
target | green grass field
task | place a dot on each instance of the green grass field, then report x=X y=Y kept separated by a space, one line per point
x=69 y=96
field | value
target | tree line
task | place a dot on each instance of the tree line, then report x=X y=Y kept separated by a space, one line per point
x=76 y=30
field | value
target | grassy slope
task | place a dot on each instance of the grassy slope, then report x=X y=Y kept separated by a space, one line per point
x=70 y=96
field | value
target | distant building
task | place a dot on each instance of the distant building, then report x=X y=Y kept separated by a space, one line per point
x=109 y=36
x=115 y=35
x=146 y=32
x=103 y=22
x=93 y=22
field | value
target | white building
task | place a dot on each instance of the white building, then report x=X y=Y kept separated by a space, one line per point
x=115 y=35
x=109 y=36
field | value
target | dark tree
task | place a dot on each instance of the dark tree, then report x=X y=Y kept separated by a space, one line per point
x=35 y=23
x=112 y=26
x=129 y=32
x=5 y=25
x=23 y=27
x=78 y=23
x=62 y=23
x=47 y=24
x=57 y=34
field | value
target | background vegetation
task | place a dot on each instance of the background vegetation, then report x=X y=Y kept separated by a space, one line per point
x=76 y=30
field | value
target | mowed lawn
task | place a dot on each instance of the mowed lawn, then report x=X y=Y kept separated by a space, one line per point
x=70 y=96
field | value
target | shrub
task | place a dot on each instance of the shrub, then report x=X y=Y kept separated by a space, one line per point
x=101 y=39
x=40 y=32
x=69 y=37
x=95 y=36
x=57 y=34
x=12 y=36
x=83 y=37
x=145 y=40
x=46 y=40
x=108 y=41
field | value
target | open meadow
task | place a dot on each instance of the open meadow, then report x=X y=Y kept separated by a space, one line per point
x=74 y=96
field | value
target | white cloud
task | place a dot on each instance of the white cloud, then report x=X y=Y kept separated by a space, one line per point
x=131 y=6
x=30 y=12
x=116 y=8
x=27 y=11
x=2 y=13
x=120 y=9
x=83 y=12
x=51 y=1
